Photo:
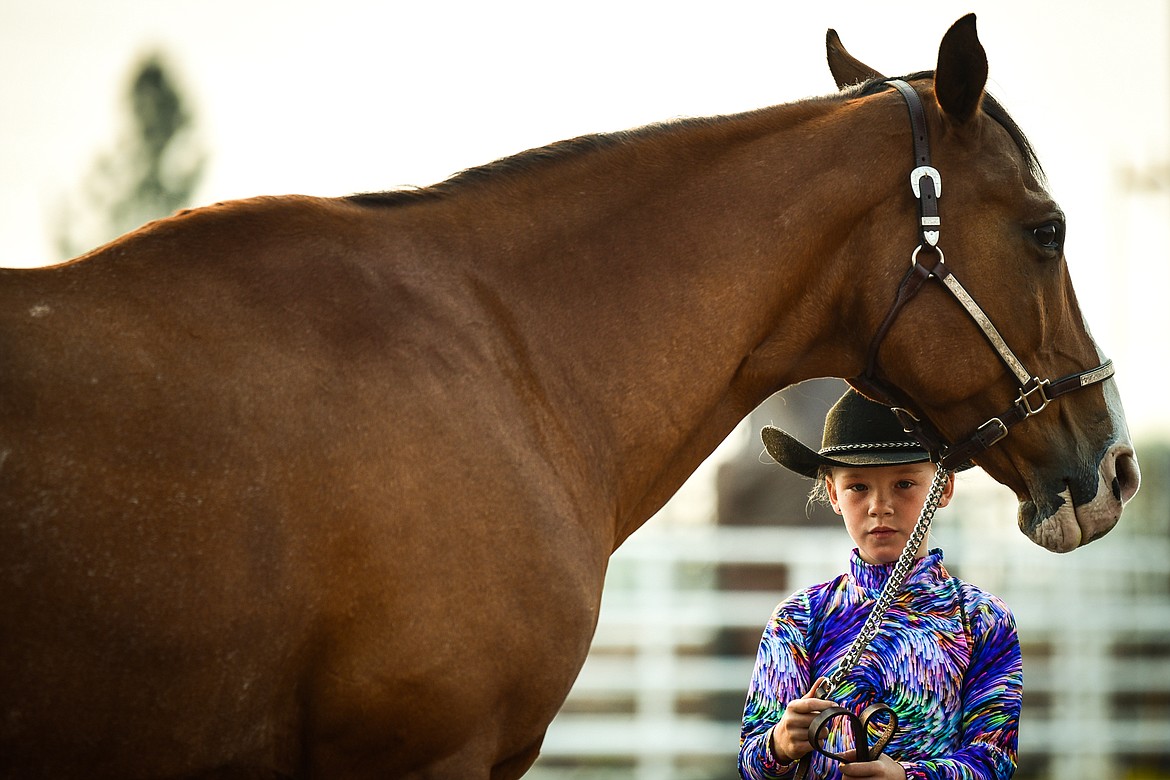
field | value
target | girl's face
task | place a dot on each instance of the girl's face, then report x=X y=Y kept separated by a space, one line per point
x=881 y=504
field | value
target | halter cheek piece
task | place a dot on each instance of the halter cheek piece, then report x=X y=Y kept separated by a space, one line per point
x=926 y=262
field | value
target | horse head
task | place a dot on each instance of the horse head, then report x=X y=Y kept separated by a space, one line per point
x=1013 y=322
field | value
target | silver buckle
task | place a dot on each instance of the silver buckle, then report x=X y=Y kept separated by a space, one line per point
x=981 y=433
x=916 y=177
x=907 y=418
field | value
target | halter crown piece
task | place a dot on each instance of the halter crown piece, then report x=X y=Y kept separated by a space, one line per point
x=1035 y=393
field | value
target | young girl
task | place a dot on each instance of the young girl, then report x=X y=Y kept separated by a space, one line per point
x=946 y=657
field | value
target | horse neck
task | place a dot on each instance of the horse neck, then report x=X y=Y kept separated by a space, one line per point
x=666 y=286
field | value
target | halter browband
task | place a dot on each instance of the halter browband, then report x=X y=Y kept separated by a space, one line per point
x=926 y=262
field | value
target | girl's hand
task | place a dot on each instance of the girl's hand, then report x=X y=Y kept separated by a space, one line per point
x=790 y=736
x=885 y=768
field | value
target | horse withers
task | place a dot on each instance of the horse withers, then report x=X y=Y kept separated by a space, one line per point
x=326 y=488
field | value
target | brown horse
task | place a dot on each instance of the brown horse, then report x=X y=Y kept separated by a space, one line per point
x=326 y=488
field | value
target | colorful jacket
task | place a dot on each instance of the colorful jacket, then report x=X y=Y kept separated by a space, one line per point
x=949 y=666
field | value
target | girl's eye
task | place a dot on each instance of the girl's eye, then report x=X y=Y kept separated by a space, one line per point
x=905 y=484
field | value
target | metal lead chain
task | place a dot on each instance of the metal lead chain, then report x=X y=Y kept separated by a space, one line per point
x=892 y=587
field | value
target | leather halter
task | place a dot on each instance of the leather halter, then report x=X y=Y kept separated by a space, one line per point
x=927 y=263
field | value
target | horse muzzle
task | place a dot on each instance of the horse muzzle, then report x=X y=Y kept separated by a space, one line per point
x=1067 y=525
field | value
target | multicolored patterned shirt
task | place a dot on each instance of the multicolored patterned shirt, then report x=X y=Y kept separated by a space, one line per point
x=946 y=658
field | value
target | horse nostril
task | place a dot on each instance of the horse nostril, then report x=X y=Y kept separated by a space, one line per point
x=1128 y=477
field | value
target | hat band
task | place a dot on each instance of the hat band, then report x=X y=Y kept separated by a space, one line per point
x=877 y=445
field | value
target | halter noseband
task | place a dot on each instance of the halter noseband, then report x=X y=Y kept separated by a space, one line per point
x=926 y=262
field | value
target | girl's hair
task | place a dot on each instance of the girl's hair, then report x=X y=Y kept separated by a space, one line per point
x=819 y=494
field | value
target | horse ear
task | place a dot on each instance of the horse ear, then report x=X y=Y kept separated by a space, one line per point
x=961 y=73
x=847 y=69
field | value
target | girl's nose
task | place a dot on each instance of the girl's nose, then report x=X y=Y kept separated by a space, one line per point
x=880 y=504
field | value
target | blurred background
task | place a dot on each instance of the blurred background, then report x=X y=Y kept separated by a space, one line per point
x=118 y=112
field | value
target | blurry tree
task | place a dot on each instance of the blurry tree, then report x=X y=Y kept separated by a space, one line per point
x=151 y=171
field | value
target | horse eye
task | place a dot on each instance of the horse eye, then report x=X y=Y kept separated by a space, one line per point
x=1049 y=236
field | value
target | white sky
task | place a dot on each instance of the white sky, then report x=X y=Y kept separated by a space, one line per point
x=349 y=95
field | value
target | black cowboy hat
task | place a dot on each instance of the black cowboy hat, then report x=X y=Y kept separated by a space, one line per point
x=858 y=432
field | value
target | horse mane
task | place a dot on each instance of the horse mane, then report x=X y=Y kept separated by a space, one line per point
x=526 y=161
x=505 y=166
x=589 y=144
